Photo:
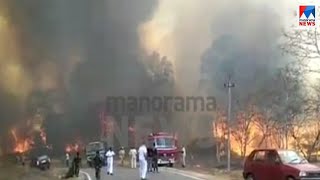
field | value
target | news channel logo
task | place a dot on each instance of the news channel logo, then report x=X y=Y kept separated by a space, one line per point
x=308 y=17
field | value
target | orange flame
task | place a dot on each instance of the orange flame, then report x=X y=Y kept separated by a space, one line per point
x=76 y=147
x=249 y=132
x=43 y=136
x=21 y=145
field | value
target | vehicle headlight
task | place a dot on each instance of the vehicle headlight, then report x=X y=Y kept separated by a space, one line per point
x=302 y=173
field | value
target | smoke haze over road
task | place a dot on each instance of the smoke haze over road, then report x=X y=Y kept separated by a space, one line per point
x=64 y=55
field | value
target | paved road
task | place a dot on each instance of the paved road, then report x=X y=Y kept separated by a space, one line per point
x=133 y=174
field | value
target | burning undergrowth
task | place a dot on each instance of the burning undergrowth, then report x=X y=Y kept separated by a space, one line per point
x=78 y=146
x=28 y=136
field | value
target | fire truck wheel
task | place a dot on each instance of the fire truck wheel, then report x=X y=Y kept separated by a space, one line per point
x=171 y=165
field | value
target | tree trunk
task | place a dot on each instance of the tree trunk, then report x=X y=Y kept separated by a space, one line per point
x=262 y=140
x=312 y=148
x=217 y=141
x=244 y=151
x=218 y=152
x=299 y=147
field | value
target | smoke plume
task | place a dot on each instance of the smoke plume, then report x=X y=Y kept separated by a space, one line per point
x=207 y=40
x=66 y=54
x=75 y=52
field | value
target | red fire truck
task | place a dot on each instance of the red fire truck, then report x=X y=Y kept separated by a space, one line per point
x=167 y=146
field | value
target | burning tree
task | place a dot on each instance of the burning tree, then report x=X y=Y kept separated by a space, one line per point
x=219 y=133
x=243 y=132
x=303 y=46
x=307 y=130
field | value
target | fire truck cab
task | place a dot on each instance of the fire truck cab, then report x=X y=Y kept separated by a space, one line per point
x=167 y=147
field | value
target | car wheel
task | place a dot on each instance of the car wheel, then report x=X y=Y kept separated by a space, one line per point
x=249 y=177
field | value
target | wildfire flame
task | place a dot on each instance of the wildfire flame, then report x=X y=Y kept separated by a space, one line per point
x=21 y=145
x=29 y=134
x=43 y=136
x=107 y=124
x=75 y=147
x=254 y=131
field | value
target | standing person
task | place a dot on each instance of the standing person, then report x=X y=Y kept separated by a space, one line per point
x=121 y=156
x=149 y=158
x=110 y=155
x=142 y=152
x=184 y=154
x=97 y=164
x=77 y=163
x=155 y=159
x=133 y=157
x=67 y=159
x=23 y=160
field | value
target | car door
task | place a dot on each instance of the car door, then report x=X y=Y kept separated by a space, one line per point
x=258 y=165
x=273 y=166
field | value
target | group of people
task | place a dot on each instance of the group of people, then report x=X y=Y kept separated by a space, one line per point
x=147 y=157
x=98 y=162
x=152 y=159
x=148 y=160
x=75 y=166
x=142 y=157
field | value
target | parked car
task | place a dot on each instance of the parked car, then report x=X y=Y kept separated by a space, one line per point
x=267 y=164
x=42 y=162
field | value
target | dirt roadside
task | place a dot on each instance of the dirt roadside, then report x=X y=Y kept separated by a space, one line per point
x=13 y=171
x=18 y=172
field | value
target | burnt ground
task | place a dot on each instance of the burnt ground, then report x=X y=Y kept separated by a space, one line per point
x=206 y=163
x=204 y=160
x=11 y=170
x=14 y=172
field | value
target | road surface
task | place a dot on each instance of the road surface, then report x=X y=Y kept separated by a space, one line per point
x=133 y=174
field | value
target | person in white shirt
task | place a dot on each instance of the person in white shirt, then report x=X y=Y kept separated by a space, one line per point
x=122 y=154
x=142 y=152
x=184 y=154
x=110 y=153
x=133 y=155
x=67 y=159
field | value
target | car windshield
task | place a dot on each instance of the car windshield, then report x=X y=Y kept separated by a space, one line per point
x=165 y=142
x=289 y=157
x=94 y=147
x=43 y=157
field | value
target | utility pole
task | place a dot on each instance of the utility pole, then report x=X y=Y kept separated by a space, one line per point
x=229 y=85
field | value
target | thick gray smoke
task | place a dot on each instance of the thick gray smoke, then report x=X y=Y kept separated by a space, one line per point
x=244 y=39
x=78 y=52
x=245 y=49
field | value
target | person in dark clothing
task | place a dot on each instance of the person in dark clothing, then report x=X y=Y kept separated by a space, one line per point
x=77 y=163
x=72 y=169
x=155 y=159
x=97 y=164
x=150 y=157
